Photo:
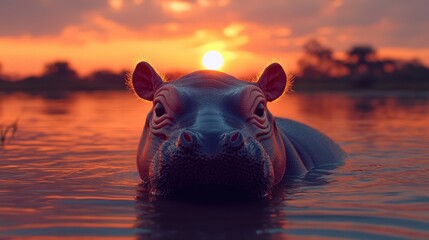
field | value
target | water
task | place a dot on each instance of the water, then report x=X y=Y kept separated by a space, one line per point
x=70 y=172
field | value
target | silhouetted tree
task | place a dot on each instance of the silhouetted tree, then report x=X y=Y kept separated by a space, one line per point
x=318 y=62
x=60 y=71
x=105 y=79
x=57 y=76
x=413 y=70
x=364 y=65
x=361 y=55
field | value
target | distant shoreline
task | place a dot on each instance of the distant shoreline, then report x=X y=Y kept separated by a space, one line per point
x=301 y=87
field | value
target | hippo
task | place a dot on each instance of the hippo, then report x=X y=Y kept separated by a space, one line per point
x=209 y=128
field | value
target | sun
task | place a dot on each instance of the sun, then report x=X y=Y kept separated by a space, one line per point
x=212 y=60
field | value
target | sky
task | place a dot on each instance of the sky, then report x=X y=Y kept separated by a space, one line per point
x=173 y=35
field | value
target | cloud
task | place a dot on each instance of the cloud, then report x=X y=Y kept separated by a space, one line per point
x=246 y=30
x=37 y=17
x=302 y=18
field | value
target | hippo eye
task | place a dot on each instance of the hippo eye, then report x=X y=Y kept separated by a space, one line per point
x=260 y=110
x=159 y=110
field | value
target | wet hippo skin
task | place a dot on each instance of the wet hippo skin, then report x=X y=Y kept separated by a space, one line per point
x=211 y=129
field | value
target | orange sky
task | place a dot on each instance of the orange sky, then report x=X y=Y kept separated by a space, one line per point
x=174 y=34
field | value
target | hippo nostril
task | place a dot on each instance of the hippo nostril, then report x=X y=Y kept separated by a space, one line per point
x=186 y=138
x=236 y=139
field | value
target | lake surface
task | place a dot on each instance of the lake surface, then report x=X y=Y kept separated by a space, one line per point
x=70 y=172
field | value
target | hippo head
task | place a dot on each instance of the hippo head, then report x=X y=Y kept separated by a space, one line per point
x=210 y=129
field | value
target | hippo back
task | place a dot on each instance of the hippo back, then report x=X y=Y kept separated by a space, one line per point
x=307 y=148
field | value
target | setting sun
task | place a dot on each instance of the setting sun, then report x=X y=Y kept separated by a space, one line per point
x=212 y=60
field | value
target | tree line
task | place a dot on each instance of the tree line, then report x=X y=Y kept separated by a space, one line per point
x=318 y=69
x=60 y=75
x=359 y=68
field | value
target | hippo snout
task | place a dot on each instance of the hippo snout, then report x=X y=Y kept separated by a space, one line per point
x=191 y=159
x=211 y=143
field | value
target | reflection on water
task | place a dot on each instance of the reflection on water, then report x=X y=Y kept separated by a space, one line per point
x=70 y=171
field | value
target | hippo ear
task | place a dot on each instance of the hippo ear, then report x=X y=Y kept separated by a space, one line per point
x=145 y=81
x=272 y=81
